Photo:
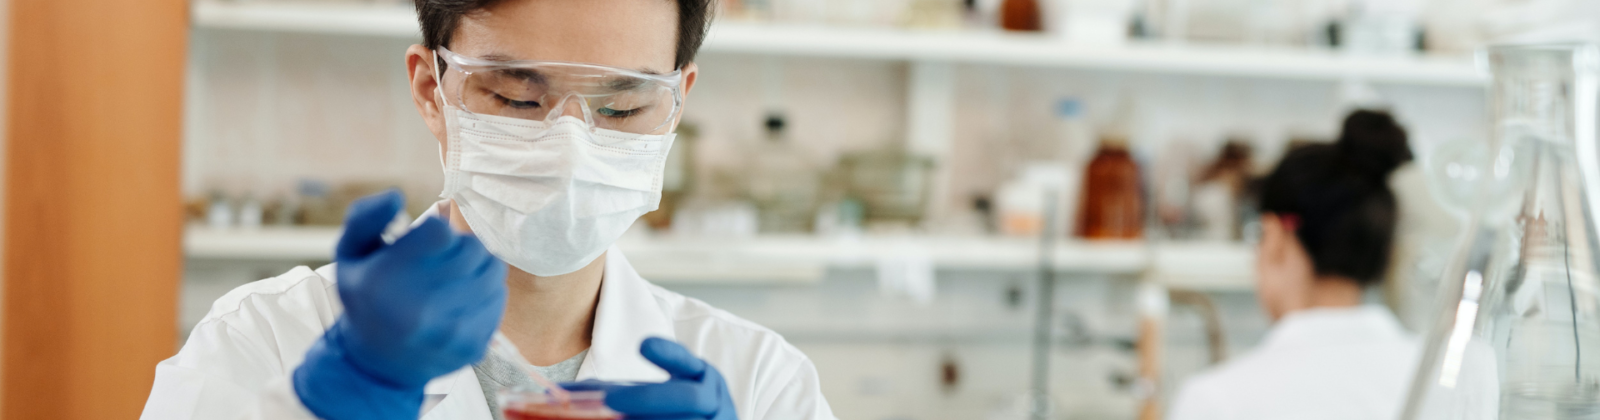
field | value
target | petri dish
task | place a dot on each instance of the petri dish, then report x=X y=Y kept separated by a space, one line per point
x=587 y=405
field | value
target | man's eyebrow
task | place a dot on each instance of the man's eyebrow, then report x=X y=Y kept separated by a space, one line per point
x=529 y=75
x=624 y=83
x=497 y=57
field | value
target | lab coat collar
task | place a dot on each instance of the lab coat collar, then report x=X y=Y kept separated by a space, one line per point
x=627 y=314
x=1335 y=326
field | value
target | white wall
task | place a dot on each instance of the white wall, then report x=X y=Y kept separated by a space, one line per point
x=268 y=109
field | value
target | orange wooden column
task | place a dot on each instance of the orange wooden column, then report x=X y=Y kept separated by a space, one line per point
x=92 y=252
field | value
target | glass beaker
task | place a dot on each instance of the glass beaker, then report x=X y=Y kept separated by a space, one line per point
x=1518 y=332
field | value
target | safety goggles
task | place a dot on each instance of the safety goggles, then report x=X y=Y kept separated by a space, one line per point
x=607 y=97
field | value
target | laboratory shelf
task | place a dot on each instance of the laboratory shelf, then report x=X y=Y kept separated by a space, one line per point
x=804 y=259
x=307 y=17
x=994 y=48
x=264 y=244
x=998 y=48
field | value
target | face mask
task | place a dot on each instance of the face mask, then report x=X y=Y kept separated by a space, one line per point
x=548 y=198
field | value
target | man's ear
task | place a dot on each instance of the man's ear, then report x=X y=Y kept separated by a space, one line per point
x=691 y=73
x=424 y=89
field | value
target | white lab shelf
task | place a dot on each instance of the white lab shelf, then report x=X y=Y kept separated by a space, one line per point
x=917 y=46
x=272 y=244
x=1043 y=51
x=327 y=17
x=798 y=259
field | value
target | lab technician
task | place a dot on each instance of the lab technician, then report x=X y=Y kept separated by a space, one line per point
x=1328 y=223
x=554 y=118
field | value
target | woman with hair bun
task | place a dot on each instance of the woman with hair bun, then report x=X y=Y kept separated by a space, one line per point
x=1328 y=228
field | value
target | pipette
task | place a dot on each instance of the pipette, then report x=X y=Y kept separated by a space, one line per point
x=502 y=346
x=499 y=345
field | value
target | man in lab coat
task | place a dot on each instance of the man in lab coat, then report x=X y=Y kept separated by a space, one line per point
x=553 y=118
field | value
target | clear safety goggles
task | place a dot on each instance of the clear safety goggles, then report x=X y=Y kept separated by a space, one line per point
x=606 y=97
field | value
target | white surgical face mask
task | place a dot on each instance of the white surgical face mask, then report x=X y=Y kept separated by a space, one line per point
x=549 y=198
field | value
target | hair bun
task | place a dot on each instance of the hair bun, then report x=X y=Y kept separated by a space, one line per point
x=1373 y=143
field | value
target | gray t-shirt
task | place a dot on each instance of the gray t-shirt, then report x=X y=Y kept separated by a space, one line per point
x=495 y=374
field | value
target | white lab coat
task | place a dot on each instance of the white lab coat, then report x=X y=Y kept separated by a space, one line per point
x=1344 y=364
x=238 y=359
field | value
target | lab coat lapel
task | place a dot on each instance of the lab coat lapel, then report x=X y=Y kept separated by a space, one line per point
x=456 y=396
x=626 y=315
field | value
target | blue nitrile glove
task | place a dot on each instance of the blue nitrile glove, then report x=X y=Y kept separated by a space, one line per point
x=696 y=390
x=414 y=310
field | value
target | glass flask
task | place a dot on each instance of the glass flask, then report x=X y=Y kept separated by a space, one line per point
x=1518 y=331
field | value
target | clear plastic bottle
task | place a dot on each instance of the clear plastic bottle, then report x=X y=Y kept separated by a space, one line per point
x=1518 y=326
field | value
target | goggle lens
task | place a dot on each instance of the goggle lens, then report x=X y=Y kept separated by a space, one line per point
x=611 y=100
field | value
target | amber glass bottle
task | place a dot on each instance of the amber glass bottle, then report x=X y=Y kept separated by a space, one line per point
x=1112 y=206
x=1021 y=15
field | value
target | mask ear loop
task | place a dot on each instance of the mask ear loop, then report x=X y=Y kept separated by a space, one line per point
x=438 y=89
x=677 y=108
x=438 y=80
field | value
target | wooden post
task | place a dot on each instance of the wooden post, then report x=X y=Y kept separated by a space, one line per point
x=92 y=255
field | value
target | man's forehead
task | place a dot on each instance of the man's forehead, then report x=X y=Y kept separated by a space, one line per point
x=638 y=35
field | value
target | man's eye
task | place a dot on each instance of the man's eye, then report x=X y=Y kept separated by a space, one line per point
x=617 y=113
x=516 y=103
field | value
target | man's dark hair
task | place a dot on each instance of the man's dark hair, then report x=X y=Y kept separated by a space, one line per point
x=439 y=19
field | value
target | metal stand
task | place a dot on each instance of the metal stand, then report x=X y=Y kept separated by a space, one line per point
x=1043 y=327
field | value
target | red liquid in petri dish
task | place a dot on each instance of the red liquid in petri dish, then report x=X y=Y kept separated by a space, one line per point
x=538 y=406
x=545 y=412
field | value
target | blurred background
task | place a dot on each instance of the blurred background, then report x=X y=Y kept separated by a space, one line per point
x=868 y=177
x=890 y=184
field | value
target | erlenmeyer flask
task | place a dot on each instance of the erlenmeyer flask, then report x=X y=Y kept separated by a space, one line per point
x=1518 y=334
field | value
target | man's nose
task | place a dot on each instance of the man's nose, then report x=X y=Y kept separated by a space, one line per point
x=571 y=105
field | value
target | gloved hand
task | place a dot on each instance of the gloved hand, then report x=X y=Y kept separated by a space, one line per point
x=696 y=390
x=414 y=310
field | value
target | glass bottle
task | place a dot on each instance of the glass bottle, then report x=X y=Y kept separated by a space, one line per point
x=1518 y=331
x=1112 y=206
x=783 y=182
x=1021 y=15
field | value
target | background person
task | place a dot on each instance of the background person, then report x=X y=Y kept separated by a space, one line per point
x=1328 y=227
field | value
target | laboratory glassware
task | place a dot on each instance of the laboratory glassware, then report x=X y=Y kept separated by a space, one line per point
x=892 y=185
x=1518 y=331
x=1112 y=206
x=1021 y=15
x=783 y=181
x=585 y=405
